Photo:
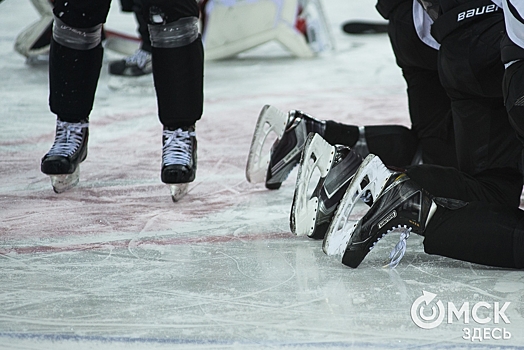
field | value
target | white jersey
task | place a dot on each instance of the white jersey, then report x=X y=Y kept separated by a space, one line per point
x=423 y=24
x=514 y=19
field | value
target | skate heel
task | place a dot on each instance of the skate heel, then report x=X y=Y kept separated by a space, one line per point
x=178 y=191
x=368 y=183
x=270 y=119
x=62 y=183
x=319 y=155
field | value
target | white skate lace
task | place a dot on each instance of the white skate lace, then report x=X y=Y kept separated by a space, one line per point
x=177 y=147
x=68 y=138
x=400 y=248
x=139 y=58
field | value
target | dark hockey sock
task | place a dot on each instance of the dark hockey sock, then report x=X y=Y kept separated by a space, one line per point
x=396 y=145
x=341 y=134
x=482 y=233
x=73 y=78
x=179 y=82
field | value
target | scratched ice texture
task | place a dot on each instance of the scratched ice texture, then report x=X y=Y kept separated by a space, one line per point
x=115 y=264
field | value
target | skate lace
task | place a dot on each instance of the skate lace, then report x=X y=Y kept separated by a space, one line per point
x=400 y=248
x=177 y=147
x=68 y=138
x=367 y=198
x=139 y=58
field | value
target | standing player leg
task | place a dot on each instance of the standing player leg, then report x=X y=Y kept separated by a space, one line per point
x=139 y=63
x=75 y=61
x=178 y=71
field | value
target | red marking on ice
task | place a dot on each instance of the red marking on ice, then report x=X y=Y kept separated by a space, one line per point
x=125 y=243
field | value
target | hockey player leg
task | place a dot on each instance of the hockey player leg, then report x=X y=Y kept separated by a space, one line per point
x=177 y=55
x=74 y=66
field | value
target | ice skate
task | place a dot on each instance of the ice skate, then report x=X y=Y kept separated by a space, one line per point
x=62 y=161
x=366 y=185
x=140 y=63
x=133 y=73
x=291 y=130
x=402 y=206
x=179 y=160
x=311 y=214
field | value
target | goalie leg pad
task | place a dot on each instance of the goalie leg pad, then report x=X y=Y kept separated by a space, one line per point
x=25 y=43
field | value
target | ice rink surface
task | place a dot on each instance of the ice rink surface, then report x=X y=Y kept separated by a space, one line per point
x=115 y=264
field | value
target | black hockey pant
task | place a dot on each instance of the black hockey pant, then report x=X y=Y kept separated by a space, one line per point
x=483 y=233
x=489 y=230
x=177 y=72
x=514 y=94
x=429 y=105
x=471 y=71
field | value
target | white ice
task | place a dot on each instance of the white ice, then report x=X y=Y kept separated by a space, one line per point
x=115 y=264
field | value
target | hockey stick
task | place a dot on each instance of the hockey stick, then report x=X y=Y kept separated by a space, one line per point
x=360 y=27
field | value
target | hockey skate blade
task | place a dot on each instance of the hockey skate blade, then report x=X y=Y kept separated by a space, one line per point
x=178 y=191
x=369 y=179
x=62 y=183
x=317 y=154
x=270 y=119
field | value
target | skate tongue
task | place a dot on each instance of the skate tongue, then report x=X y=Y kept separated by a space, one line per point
x=400 y=249
x=177 y=147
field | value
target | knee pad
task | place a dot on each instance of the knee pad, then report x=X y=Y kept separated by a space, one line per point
x=174 y=34
x=77 y=38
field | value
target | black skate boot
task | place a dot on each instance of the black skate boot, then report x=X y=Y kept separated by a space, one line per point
x=179 y=159
x=402 y=206
x=62 y=161
x=312 y=214
x=367 y=184
x=291 y=129
x=138 y=64
x=286 y=152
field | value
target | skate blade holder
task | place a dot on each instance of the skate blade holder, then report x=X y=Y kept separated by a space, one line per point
x=270 y=120
x=339 y=233
x=319 y=155
x=178 y=191
x=62 y=183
